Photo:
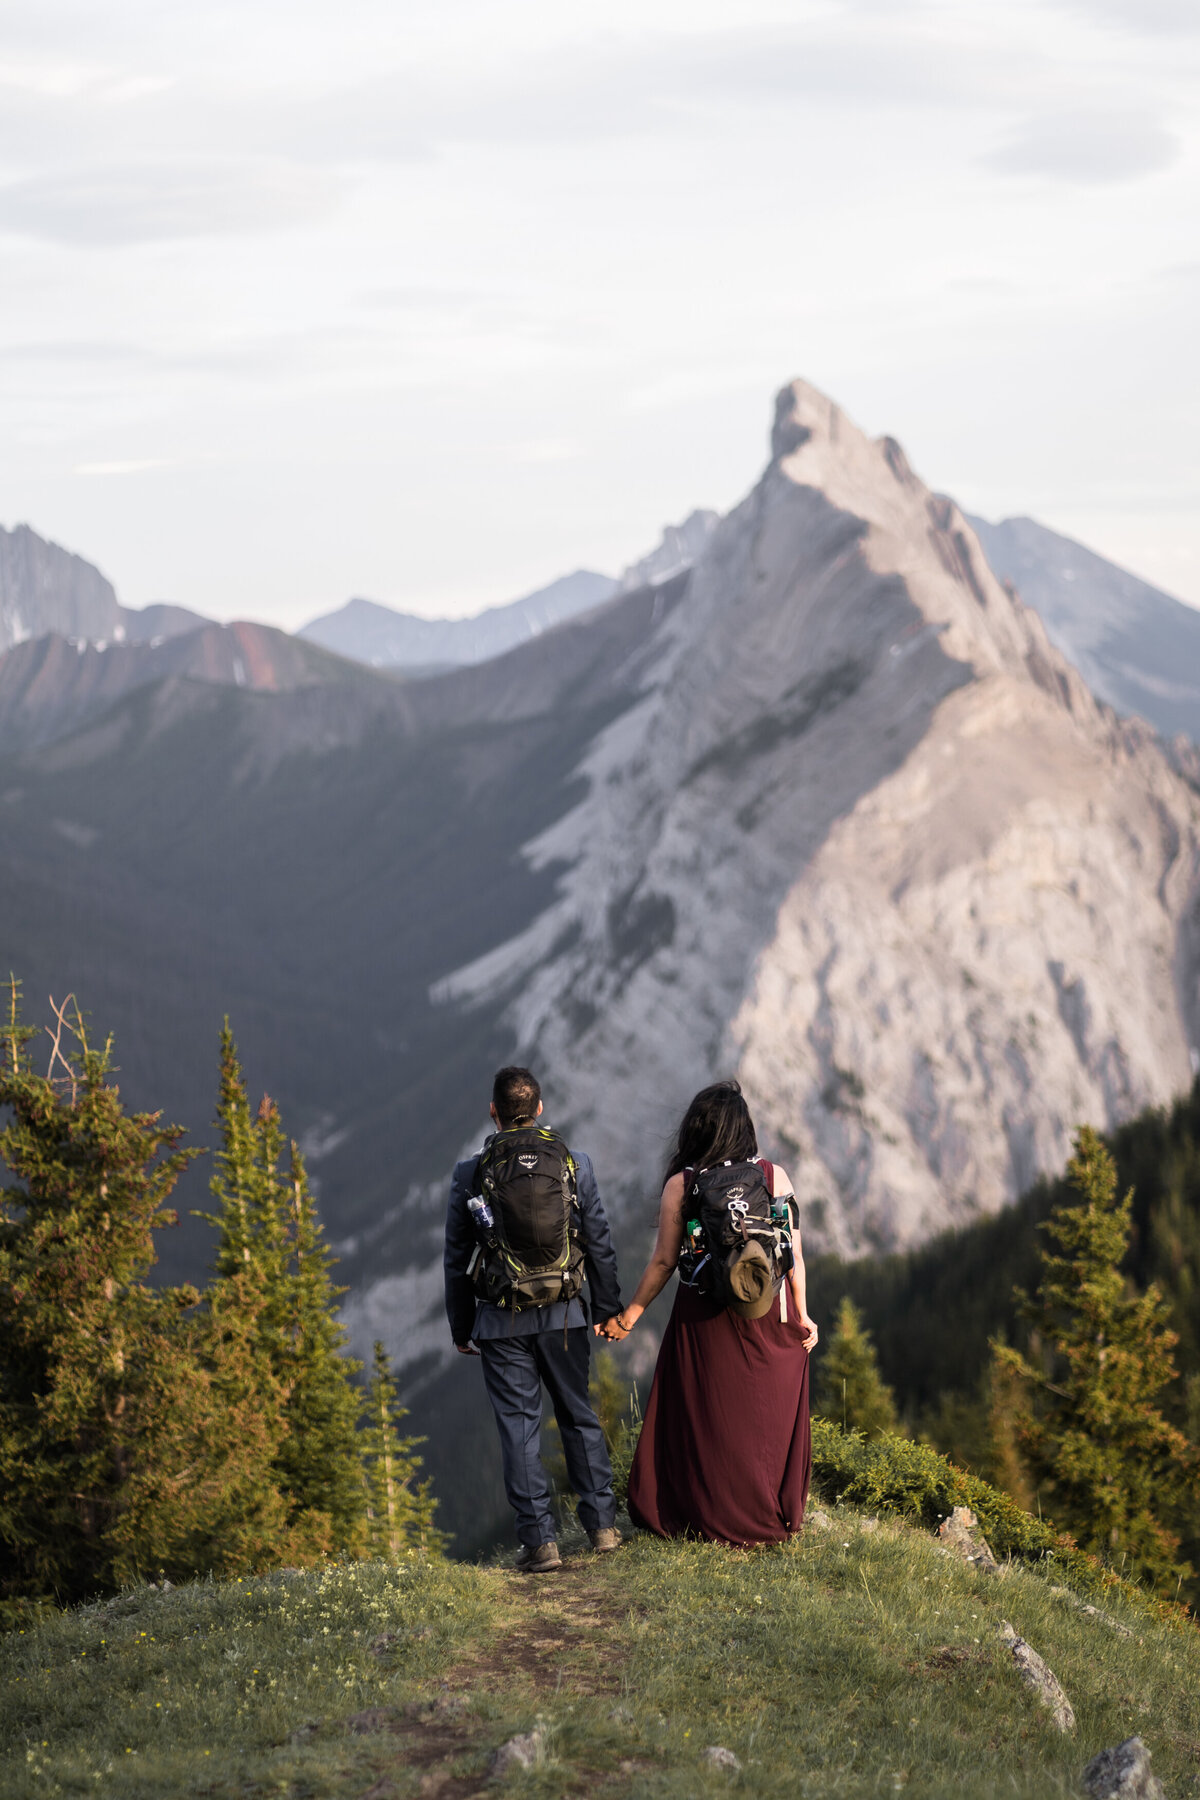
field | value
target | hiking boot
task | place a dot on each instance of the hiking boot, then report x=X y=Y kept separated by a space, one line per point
x=605 y=1540
x=538 y=1559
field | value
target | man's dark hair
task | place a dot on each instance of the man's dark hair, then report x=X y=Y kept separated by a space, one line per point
x=515 y=1096
x=716 y=1128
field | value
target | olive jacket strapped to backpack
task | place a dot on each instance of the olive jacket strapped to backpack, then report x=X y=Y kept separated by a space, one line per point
x=526 y=1216
x=737 y=1237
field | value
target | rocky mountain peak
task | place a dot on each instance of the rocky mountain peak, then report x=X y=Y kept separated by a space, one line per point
x=866 y=840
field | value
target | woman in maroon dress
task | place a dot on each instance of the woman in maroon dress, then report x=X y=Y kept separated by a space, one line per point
x=725 y=1451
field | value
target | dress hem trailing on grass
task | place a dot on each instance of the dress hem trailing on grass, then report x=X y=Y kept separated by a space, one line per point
x=725 y=1451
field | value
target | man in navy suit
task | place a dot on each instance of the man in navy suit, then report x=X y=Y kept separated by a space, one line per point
x=522 y=1350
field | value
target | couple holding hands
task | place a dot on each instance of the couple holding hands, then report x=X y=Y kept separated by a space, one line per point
x=724 y=1451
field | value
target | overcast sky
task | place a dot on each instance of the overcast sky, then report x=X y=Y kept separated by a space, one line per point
x=432 y=302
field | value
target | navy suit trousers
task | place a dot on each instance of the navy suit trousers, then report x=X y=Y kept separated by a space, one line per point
x=514 y=1369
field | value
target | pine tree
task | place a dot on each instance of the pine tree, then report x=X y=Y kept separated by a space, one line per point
x=399 y=1511
x=319 y=1460
x=1100 y=1358
x=270 y=1238
x=122 y=1450
x=75 y=1321
x=852 y=1391
x=1003 y=1464
x=202 y=1499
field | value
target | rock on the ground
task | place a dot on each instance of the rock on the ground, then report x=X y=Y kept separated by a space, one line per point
x=373 y=1718
x=520 y=1752
x=1122 y=1773
x=1037 y=1676
x=818 y=1519
x=1092 y=1612
x=960 y=1533
x=718 y=1757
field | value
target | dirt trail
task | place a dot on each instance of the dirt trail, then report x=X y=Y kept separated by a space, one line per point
x=559 y=1628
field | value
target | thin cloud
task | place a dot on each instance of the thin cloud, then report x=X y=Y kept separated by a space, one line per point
x=1092 y=149
x=133 y=466
x=145 y=203
x=536 y=451
x=1145 y=16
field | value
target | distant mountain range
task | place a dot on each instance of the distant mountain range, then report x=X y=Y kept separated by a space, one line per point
x=44 y=588
x=386 y=638
x=1135 y=646
x=51 y=686
x=823 y=807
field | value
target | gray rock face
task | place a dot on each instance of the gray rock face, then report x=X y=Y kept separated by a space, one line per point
x=44 y=588
x=869 y=843
x=679 y=548
x=1122 y=1773
x=960 y=1534
x=1039 y=1679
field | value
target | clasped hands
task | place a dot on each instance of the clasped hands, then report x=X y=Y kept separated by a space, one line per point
x=614 y=1329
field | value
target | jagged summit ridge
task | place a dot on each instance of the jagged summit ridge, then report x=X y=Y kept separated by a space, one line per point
x=44 y=589
x=866 y=840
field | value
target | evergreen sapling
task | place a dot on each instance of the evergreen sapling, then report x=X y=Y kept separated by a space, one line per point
x=1089 y=1424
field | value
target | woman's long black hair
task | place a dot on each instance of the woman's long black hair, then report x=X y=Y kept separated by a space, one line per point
x=716 y=1128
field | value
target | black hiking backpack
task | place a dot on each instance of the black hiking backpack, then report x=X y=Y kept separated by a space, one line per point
x=526 y=1214
x=737 y=1237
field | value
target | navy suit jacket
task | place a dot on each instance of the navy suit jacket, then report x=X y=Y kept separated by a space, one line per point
x=471 y=1317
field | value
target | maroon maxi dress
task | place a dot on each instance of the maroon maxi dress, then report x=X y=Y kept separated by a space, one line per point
x=725 y=1451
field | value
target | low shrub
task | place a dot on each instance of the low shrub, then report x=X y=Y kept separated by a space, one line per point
x=889 y=1474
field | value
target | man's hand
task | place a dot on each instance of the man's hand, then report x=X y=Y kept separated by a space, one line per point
x=614 y=1329
x=466 y=1349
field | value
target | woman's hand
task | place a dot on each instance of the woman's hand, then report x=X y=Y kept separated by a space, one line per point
x=808 y=1331
x=614 y=1329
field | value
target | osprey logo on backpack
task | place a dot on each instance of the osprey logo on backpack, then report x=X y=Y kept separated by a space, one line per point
x=737 y=1237
x=531 y=1254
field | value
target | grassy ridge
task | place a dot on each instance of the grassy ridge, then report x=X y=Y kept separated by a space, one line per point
x=855 y=1661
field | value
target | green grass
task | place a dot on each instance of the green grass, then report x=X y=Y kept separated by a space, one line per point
x=199 y=1690
x=850 y=1663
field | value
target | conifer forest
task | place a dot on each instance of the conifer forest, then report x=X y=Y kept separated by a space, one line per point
x=151 y=1431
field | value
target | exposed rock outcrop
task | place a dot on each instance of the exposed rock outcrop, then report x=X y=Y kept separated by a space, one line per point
x=1122 y=1773
x=868 y=842
x=1039 y=1679
x=960 y=1534
x=44 y=588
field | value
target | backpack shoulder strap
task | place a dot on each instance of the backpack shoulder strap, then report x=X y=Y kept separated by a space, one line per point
x=481 y=1162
